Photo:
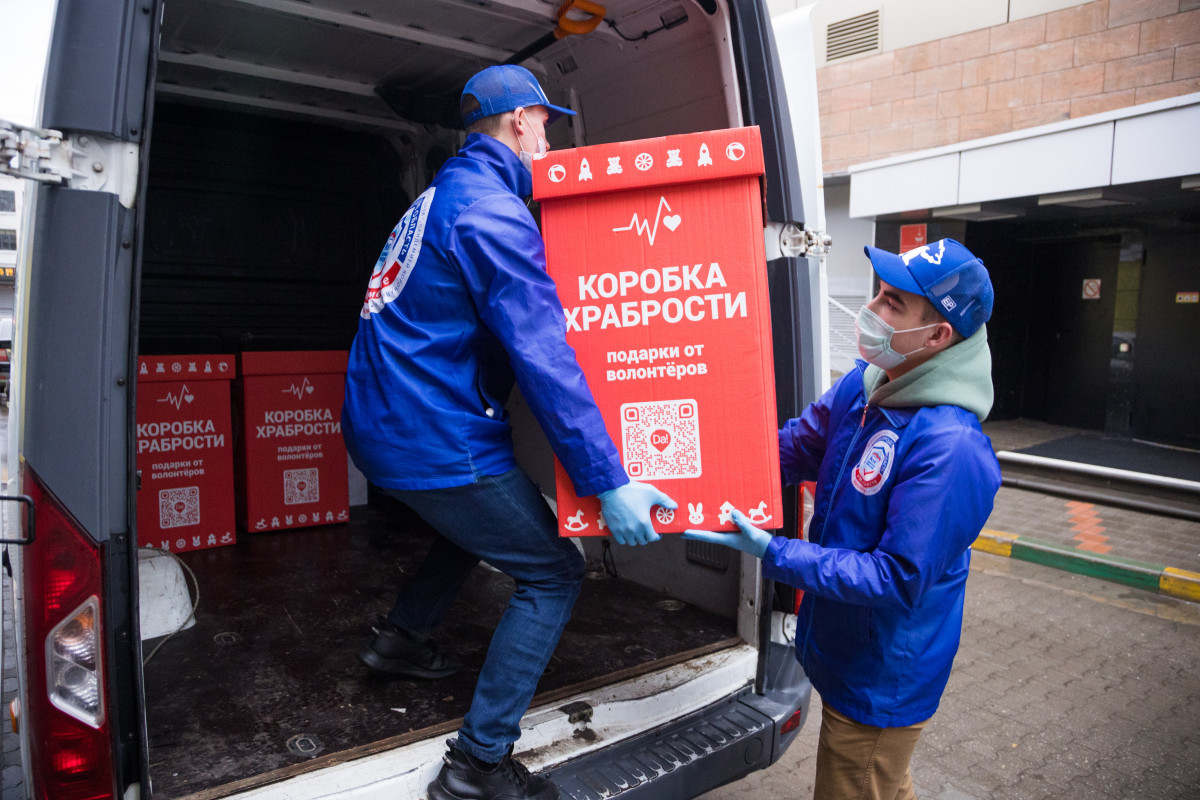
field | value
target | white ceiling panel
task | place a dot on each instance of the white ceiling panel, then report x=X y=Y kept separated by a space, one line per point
x=1161 y=145
x=1054 y=162
x=926 y=183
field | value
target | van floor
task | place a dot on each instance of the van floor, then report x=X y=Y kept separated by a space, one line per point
x=266 y=683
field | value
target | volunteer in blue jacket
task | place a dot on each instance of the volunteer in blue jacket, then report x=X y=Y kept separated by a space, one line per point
x=905 y=482
x=459 y=305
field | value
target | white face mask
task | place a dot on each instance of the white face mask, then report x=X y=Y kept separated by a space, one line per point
x=875 y=339
x=525 y=156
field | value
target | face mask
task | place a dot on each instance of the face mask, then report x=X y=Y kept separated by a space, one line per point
x=525 y=156
x=875 y=339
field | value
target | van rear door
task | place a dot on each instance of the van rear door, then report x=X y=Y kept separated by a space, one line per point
x=76 y=409
x=792 y=200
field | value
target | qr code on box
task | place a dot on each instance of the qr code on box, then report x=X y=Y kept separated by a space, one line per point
x=661 y=439
x=301 y=486
x=179 y=507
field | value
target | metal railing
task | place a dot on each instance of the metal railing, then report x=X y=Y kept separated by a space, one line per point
x=843 y=348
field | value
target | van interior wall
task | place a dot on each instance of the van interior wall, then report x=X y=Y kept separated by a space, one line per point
x=261 y=232
x=670 y=83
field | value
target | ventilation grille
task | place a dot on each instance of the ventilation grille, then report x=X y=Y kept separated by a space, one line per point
x=852 y=36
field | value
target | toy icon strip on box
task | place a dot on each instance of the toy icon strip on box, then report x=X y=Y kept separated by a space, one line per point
x=656 y=247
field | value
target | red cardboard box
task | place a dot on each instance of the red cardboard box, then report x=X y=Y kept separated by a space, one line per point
x=656 y=247
x=184 y=452
x=291 y=459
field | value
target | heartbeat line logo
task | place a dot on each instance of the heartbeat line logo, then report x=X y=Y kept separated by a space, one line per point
x=651 y=229
x=301 y=390
x=184 y=396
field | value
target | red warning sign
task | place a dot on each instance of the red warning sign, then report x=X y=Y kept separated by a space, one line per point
x=656 y=247
x=184 y=452
x=912 y=237
x=1091 y=288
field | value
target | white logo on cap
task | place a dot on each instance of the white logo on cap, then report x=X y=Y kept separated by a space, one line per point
x=923 y=251
x=948 y=303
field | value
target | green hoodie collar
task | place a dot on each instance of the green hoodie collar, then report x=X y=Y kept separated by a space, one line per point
x=960 y=375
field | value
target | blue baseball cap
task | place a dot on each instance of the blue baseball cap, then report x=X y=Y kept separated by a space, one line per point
x=950 y=275
x=503 y=88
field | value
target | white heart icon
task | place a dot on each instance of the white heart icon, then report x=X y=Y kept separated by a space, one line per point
x=672 y=222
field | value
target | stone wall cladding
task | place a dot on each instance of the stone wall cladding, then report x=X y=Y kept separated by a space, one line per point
x=1083 y=60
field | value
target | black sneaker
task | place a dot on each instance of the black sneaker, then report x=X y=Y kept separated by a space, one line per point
x=463 y=777
x=394 y=651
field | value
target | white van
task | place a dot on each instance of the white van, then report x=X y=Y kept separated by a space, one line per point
x=217 y=176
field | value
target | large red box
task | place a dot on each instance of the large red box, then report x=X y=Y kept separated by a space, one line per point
x=656 y=247
x=291 y=459
x=184 y=452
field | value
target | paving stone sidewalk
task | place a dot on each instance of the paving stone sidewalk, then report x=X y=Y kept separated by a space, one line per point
x=1064 y=686
x=1096 y=528
x=1080 y=523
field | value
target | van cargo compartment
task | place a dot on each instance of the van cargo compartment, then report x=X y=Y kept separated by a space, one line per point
x=266 y=684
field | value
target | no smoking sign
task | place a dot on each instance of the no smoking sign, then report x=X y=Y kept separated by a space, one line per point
x=1091 y=288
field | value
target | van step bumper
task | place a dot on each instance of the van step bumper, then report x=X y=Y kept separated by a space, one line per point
x=699 y=752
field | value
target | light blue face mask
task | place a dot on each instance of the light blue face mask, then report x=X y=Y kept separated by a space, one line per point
x=875 y=340
x=526 y=157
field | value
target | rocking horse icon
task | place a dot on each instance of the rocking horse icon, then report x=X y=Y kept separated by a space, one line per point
x=759 y=515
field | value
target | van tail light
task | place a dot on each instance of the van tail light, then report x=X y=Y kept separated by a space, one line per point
x=73 y=665
x=792 y=722
x=70 y=745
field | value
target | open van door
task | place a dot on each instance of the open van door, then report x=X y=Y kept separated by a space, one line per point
x=779 y=94
x=73 y=405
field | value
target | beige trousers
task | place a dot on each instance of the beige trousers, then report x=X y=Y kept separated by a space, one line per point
x=862 y=762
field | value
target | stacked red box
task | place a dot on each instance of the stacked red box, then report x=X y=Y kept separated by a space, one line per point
x=656 y=247
x=291 y=460
x=185 y=452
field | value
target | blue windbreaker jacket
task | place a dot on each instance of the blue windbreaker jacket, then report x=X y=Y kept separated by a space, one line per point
x=459 y=305
x=901 y=494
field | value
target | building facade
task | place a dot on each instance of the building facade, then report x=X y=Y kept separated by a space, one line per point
x=1060 y=141
x=10 y=216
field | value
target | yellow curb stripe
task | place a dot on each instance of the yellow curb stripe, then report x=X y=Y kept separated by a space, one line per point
x=1180 y=583
x=995 y=542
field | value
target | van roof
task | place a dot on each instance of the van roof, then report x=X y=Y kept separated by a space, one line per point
x=394 y=65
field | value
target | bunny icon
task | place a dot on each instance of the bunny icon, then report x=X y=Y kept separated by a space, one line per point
x=696 y=513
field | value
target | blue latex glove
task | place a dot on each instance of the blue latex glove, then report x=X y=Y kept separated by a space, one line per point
x=626 y=511
x=748 y=539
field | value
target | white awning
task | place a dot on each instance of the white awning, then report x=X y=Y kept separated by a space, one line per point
x=1138 y=143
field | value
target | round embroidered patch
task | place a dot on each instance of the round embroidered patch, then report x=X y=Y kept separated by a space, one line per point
x=873 y=468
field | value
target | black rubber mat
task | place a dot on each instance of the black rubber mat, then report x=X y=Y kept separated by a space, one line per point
x=267 y=678
x=1127 y=454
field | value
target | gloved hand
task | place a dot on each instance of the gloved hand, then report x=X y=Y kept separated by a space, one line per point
x=626 y=511
x=748 y=539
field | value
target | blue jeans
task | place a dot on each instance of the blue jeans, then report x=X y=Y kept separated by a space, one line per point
x=504 y=520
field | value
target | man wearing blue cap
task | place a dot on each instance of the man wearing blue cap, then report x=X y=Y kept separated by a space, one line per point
x=458 y=308
x=905 y=482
